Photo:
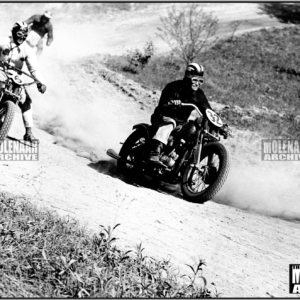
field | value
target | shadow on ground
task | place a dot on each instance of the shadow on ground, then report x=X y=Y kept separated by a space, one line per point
x=284 y=12
x=109 y=168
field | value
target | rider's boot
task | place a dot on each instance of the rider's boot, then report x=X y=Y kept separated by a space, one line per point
x=29 y=137
x=155 y=150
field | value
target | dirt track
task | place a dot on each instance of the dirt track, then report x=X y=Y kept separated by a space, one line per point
x=247 y=253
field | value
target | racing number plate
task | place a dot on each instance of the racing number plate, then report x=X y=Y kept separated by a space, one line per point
x=214 y=117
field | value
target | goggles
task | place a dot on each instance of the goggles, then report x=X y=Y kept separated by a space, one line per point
x=197 y=80
x=21 y=34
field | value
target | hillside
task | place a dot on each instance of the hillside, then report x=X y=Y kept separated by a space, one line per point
x=246 y=234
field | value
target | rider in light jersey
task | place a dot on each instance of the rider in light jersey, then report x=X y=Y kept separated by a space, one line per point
x=14 y=51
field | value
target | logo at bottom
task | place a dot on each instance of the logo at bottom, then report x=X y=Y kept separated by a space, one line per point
x=294 y=272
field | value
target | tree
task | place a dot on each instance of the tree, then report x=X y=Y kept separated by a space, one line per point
x=284 y=12
x=188 y=30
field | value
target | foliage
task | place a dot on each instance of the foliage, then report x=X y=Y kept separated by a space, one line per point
x=187 y=30
x=160 y=70
x=284 y=12
x=250 y=70
x=137 y=60
x=42 y=255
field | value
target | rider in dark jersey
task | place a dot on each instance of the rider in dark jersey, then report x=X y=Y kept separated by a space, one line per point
x=169 y=113
x=40 y=26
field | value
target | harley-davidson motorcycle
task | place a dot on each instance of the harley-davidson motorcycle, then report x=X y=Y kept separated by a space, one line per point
x=12 y=89
x=193 y=157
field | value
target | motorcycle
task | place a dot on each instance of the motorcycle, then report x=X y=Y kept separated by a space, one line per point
x=193 y=157
x=12 y=89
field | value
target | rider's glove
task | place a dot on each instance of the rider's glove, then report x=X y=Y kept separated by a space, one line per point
x=5 y=52
x=226 y=131
x=175 y=102
x=41 y=87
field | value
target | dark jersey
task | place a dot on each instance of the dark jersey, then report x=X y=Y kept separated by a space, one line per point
x=178 y=90
x=41 y=29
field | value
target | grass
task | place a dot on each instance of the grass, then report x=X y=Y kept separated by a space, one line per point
x=43 y=255
x=258 y=69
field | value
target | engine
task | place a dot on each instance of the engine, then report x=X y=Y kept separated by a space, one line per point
x=169 y=160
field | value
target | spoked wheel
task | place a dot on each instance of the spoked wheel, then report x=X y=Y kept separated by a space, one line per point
x=201 y=183
x=7 y=112
x=132 y=151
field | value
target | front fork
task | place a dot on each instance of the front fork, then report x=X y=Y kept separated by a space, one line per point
x=198 y=148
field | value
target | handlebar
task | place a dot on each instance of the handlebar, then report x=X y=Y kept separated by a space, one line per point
x=227 y=131
x=192 y=105
x=8 y=66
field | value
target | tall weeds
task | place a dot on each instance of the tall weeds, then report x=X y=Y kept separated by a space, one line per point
x=42 y=255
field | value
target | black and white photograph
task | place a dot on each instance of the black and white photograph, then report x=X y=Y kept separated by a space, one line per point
x=149 y=149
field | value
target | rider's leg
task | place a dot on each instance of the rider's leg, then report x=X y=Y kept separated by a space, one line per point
x=163 y=133
x=160 y=139
x=39 y=47
x=26 y=109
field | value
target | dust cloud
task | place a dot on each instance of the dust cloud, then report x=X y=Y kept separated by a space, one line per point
x=80 y=115
x=267 y=187
x=84 y=125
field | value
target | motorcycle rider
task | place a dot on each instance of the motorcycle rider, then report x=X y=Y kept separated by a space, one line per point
x=169 y=113
x=40 y=26
x=14 y=51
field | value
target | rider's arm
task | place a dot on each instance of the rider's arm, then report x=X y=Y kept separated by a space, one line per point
x=4 y=45
x=32 y=64
x=50 y=34
x=31 y=20
x=168 y=94
x=203 y=104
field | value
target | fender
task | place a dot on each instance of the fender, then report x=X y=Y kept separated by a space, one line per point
x=148 y=129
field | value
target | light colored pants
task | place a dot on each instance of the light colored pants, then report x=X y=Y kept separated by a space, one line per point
x=165 y=127
x=35 y=41
x=27 y=113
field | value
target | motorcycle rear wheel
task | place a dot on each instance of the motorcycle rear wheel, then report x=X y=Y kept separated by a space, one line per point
x=195 y=185
x=7 y=112
x=132 y=151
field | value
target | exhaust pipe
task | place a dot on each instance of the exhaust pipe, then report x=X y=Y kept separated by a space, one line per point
x=112 y=153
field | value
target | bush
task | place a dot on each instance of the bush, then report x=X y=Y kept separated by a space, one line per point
x=137 y=59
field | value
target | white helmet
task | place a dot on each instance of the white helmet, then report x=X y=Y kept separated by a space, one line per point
x=48 y=14
x=194 y=69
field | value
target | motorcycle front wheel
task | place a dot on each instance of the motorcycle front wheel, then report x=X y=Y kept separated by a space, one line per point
x=132 y=151
x=7 y=112
x=200 y=184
